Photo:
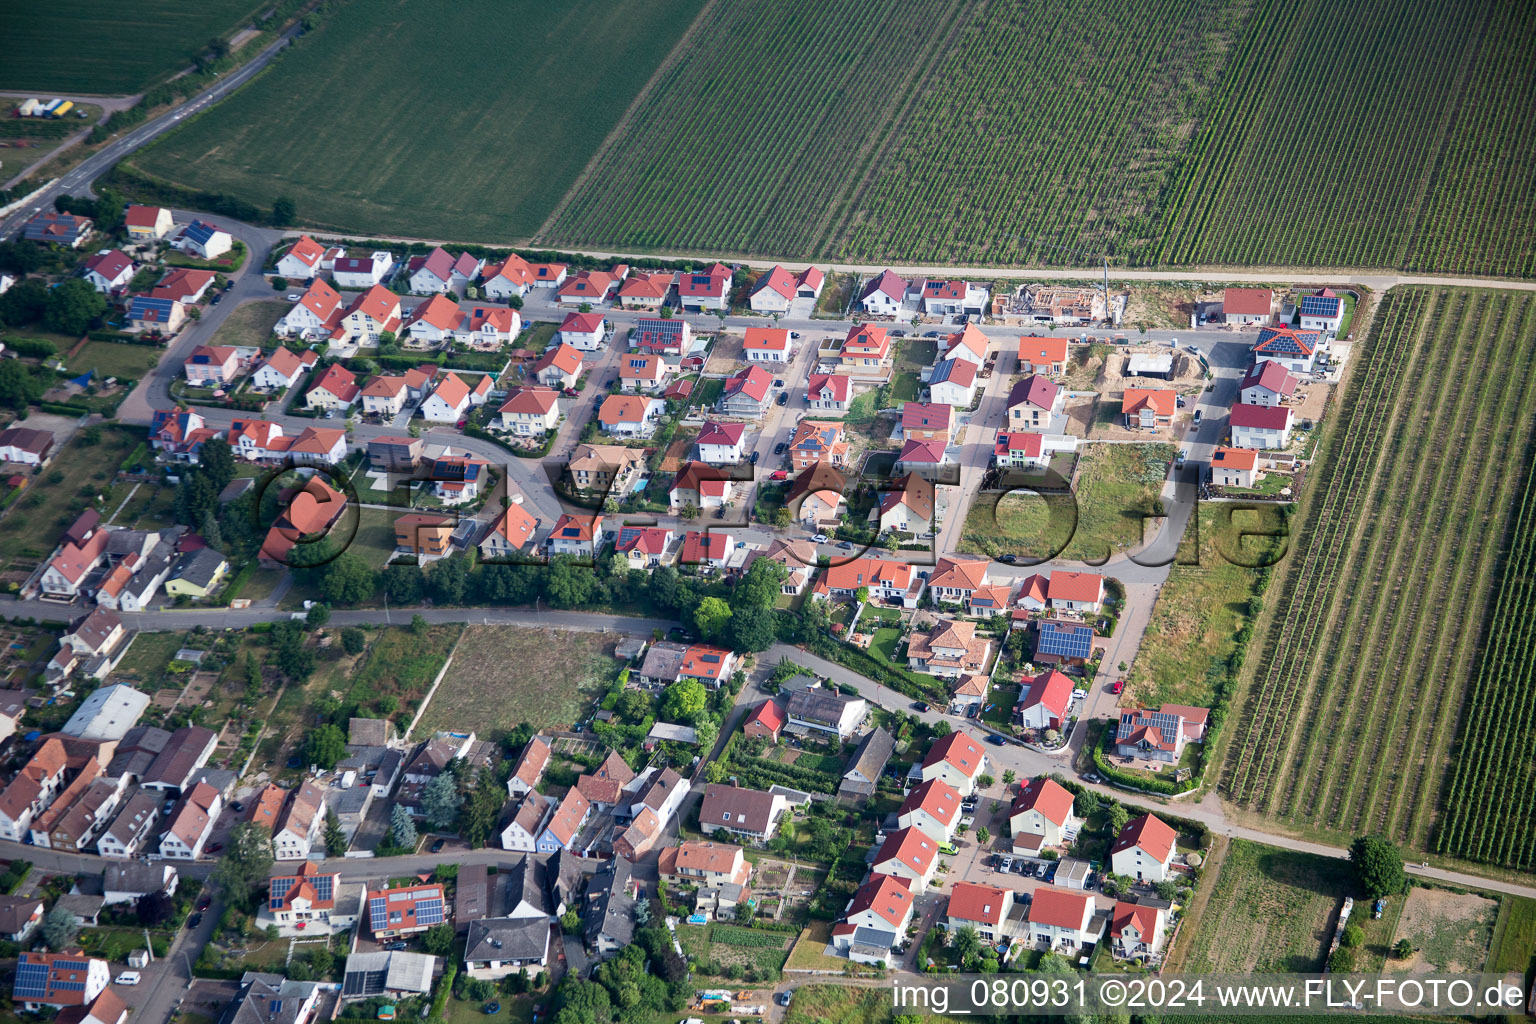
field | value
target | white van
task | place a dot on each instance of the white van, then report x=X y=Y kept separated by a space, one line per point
x=128 y=978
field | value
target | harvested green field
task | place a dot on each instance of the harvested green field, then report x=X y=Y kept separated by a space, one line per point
x=1514 y=937
x=464 y=119
x=110 y=359
x=1370 y=133
x=1115 y=491
x=1349 y=723
x=110 y=49
x=504 y=675
x=251 y=323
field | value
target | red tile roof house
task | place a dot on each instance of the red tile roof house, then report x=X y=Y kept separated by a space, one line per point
x=746 y=393
x=583 y=331
x=709 y=550
x=1144 y=850
x=766 y=721
x=1244 y=306
x=147 y=223
x=432 y=323
x=630 y=415
x=558 y=367
x=883 y=295
x=908 y=854
x=1234 y=467
x=711 y=666
x=438 y=272
x=957 y=760
x=701 y=485
x=405 y=911
x=775 y=290
x=1020 y=449
x=591 y=287
x=1044 y=808
x=1033 y=402
x=706 y=289
x=643 y=547
x=1076 y=591
x=577 y=535
x=1267 y=383
x=1148 y=408
x=933 y=808
x=926 y=421
x=282 y=368
x=767 y=345
x=829 y=391
x=1062 y=920
x=642 y=371
x=1160 y=735
x=65 y=979
x=951 y=297
x=530 y=412
x=1136 y=932
x=646 y=289
x=1263 y=428
x=316 y=314
x=183 y=285
x=302 y=260
x=720 y=443
x=926 y=459
x=988 y=909
x=508 y=535
x=530 y=767
x=109 y=271
x=1044 y=701
x=335 y=388
x=1043 y=355
x=875 y=920
x=216 y=365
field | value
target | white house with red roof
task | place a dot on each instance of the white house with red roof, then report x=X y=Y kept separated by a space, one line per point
x=953 y=382
x=708 y=549
x=581 y=536
x=957 y=760
x=747 y=393
x=1144 y=849
x=926 y=459
x=1267 y=383
x=591 y=287
x=950 y=298
x=1020 y=449
x=371 y=314
x=183 y=284
x=583 y=331
x=1264 y=428
x=1076 y=591
x=384 y=395
x=767 y=345
x=510 y=533
x=147 y=223
x=1032 y=592
x=774 y=291
x=1321 y=311
x=642 y=371
x=304 y=903
x=630 y=415
x=954 y=580
x=707 y=664
x=1044 y=701
x=701 y=485
x=335 y=388
x=212 y=365
x=1063 y=920
x=1044 y=808
x=355 y=273
x=1242 y=307
x=317 y=313
x=191 y=823
x=109 y=271
x=908 y=854
x=875 y=920
x=1161 y=734
x=1234 y=467
x=968 y=344
x=646 y=289
x=883 y=294
x=720 y=443
x=1137 y=931
x=1042 y=355
x=885 y=581
x=530 y=411
x=829 y=392
x=302 y=260
x=282 y=368
x=1034 y=402
x=432 y=323
x=449 y=402
x=1294 y=349
x=643 y=547
x=558 y=367
x=990 y=910
x=705 y=289
x=439 y=272
x=864 y=354
x=488 y=329
x=933 y=808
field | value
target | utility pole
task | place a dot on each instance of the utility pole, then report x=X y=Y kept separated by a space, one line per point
x=149 y=947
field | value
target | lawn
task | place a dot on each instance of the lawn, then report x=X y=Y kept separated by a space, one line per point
x=34 y=524
x=514 y=1010
x=147 y=658
x=1514 y=937
x=1189 y=641
x=250 y=323
x=400 y=664
x=111 y=359
x=94 y=46
x=1269 y=911
x=520 y=130
x=557 y=675
x=1116 y=488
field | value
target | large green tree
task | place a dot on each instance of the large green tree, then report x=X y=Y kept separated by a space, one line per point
x=244 y=863
x=440 y=801
x=72 y=305
x=684 y=701
x=347 y=579
x=711 y=619
x=325 y=746
x=1378 y=866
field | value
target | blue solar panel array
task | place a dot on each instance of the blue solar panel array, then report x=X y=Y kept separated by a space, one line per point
x=1065 y=643
x=31 y=982
x=429 y=911
x=1319 y=305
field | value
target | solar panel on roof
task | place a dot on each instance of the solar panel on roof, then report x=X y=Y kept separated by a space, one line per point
x=31 y=981
x=1319 y=305
x=429 y=911
x=1065 y=643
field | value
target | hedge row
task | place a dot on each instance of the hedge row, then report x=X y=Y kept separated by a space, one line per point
x=122 y=338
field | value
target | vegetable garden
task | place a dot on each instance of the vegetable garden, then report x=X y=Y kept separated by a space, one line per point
x=1368 y=660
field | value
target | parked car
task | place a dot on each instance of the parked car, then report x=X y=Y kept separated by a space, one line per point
x=918 y=705
x=1197 y=417
x=779 y=474
x=1118 y=686
x=294 y=296
x=438 y=844
x=995 y=739
x=846 y=545
x=237 y=807
x=394 y=947
x=792 y=334
x=126 y=978
x=778 y=382
x=778 y=449
x=1008 y=559
x=948 y=849
x=1005 y=864
x=1183 y=454
x=216 y=847
x=194 y=921
x=820 y=538
x=571 y=393
x=204 y=902
x=783 y=998
x=783 y=398
x=754 y=457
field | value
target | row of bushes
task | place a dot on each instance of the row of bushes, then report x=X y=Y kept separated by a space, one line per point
x=123 y=338
x=867 y=665
x=1130 y=780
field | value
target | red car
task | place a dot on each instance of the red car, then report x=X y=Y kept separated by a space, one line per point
x=1118 y=686
x=779 y=474
x=571 y=393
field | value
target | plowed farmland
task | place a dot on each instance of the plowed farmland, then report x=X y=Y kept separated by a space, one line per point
x=1370 y=662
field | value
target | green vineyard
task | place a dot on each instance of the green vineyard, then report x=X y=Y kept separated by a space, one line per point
x=1488 y=813
x=1368 y=664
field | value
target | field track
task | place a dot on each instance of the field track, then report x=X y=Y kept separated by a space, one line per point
x=1367 y=666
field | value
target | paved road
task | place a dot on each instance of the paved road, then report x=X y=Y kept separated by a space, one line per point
x=78 y=180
